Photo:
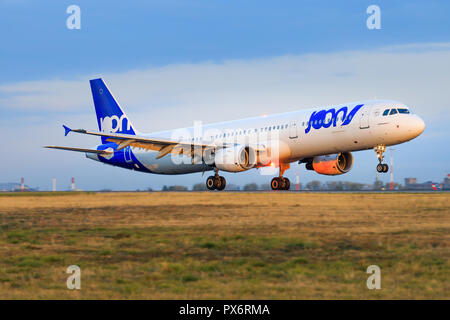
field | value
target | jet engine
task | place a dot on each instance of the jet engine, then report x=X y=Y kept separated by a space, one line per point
x=331 y=164
x=235 y=159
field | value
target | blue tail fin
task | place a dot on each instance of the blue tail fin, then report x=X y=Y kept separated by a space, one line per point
x=110 y=116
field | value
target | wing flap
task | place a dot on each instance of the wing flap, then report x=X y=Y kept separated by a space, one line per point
x=163 y=146
x=118 y=137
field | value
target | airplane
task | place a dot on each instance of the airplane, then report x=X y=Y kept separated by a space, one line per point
x=321 y=138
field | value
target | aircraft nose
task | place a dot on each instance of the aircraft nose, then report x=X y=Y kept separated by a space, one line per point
x=417 y=126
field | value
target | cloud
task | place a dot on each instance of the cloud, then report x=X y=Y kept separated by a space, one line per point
x=176 y=95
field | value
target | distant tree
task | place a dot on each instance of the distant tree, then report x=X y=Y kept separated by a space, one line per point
x=251 y=187
x=232 y=187
x=177 y=188
x=165 y=188
x=265 y=186
x=378 y=185
x=353 y=186
x=199 y=187
x=397 y=186
x=313 y=185
x=333 y=185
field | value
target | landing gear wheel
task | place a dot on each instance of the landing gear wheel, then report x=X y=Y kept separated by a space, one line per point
x=217 y=183
x=282 y=184
x=210 y=183
x=287 y=184
x=223 y=183
x=275 y=183
x=379 y=150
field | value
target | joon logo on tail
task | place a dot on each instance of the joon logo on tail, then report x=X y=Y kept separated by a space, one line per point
x=326 y=118
x=115 y=124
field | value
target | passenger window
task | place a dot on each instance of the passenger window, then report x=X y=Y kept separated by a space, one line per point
x=278 y=127
x=393 y=111
x=386 y=112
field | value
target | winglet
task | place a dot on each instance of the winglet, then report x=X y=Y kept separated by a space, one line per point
x=66 y=130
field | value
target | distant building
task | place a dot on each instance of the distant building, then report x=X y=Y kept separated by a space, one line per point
x=14 y=187
x=446 y=183
x=410 y=181
x=411 y=184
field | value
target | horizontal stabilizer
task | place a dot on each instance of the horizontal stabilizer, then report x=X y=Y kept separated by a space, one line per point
x=66 y=130
x=81 y=150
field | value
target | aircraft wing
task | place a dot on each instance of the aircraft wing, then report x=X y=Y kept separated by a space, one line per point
x=163 y=146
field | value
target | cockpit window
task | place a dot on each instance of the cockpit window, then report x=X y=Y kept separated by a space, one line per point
x=386 y=112
x=393 y=111
x=403 y=111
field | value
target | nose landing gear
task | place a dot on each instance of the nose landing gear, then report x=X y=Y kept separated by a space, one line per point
x=216 y=182
x=381 y=167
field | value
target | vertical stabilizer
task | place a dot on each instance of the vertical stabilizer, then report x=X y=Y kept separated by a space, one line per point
x=110 y=116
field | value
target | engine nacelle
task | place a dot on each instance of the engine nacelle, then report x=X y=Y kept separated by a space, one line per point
x=235 y=159
x=331 y=164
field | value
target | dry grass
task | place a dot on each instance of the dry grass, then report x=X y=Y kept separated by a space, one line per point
x=225 y=245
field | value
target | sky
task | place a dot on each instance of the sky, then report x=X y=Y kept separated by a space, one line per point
x=170 y=63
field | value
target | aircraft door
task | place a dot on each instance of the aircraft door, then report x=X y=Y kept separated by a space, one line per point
x=127 y=154
x=364 y=120
x=293 y=130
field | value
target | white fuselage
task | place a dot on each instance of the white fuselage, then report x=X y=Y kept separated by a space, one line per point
x=300 y=134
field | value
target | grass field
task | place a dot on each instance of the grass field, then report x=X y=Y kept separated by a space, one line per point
x=225 y=245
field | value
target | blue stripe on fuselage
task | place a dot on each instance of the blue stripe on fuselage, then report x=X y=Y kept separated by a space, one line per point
x=118 y=158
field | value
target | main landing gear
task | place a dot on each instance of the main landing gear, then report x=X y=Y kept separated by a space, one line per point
x=381 y=167
x=280 y=182
x=216 y=182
